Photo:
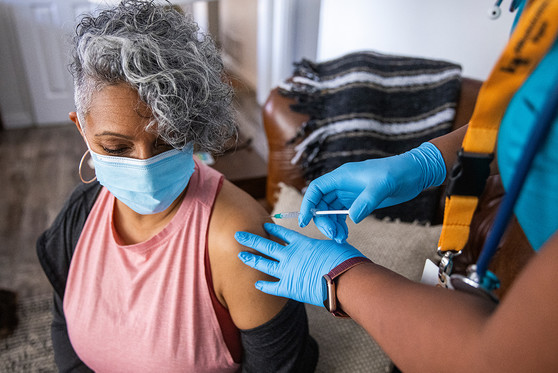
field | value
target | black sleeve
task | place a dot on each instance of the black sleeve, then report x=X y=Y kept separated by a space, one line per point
x=65 y=357
x=283 y=344
x=55 y=248
x=56 y=245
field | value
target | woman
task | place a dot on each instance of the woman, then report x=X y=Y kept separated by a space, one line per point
x=143 y=260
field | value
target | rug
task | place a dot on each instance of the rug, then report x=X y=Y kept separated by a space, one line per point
x=29 y=349
x=345 y=347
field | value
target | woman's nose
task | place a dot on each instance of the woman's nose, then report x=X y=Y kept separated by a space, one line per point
x=145 y=151
x=150 y=149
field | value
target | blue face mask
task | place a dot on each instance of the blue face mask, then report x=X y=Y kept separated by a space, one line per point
x=147 y=186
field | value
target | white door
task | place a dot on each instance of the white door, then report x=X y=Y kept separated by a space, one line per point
x=43 y=29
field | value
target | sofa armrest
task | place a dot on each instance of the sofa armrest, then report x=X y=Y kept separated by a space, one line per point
x=467 y=99
x=281 y=124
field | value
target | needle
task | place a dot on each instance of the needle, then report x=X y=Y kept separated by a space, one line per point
x=295 y=214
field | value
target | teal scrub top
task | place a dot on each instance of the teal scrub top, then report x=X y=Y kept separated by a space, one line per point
x=537 y=206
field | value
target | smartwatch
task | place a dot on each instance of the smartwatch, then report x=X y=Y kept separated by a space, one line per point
x=329 y=287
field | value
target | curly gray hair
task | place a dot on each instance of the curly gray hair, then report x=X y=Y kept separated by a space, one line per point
x=176 y=70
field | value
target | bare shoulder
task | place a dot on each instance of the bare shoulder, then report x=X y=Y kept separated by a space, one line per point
x=235 y=210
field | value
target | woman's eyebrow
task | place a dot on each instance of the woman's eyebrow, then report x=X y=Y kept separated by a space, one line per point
x=116 y=134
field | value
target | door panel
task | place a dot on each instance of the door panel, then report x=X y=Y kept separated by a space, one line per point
x=44 y=29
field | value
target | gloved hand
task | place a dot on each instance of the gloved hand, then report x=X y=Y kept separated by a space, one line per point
x=300 y=264
x=364 y=186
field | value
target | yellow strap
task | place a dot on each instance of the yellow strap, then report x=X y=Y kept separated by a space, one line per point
x=458 y=214
x=533 y=36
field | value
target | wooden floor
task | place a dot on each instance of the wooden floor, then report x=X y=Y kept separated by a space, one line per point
x=38 y=170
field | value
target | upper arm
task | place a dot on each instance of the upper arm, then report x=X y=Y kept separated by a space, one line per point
x=234 y=210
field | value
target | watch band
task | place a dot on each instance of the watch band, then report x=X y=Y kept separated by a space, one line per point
x=336 y=272
x=346 y=265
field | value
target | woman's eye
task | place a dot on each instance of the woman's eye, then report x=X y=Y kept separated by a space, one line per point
x=159 y=144
x=114 y=150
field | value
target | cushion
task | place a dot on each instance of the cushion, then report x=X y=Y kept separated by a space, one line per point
x=402 y=247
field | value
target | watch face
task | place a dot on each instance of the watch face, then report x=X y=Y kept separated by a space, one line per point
x=330 y=300
x=324 y=292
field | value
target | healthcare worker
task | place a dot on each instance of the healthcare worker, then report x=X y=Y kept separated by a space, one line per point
x=426 y=328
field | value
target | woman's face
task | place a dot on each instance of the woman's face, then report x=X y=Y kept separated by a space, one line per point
x=115 y=125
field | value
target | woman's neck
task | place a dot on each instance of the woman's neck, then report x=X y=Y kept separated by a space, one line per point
x=133 y=228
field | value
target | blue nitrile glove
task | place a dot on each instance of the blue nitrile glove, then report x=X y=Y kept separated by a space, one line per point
x=365 y=186
x=299 y=266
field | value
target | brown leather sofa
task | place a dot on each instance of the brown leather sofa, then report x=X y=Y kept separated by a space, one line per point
x=281 y=124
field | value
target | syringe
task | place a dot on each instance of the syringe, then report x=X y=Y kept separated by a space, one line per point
x=294 y=214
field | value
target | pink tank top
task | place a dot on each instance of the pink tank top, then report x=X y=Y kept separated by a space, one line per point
x=147 y=307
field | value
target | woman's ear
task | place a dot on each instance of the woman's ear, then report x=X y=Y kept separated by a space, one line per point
x=74 y=118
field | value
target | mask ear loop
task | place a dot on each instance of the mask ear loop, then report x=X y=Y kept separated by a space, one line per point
x=79 y=170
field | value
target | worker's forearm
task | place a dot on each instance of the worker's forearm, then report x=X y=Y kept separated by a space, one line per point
x=450 y=144
x=413 y=323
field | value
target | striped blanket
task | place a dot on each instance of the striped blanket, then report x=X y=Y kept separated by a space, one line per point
x=370 y=105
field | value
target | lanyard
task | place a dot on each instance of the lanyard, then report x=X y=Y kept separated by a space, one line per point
x=534 y=35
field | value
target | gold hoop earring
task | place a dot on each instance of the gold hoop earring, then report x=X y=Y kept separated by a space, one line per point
x=79 y=170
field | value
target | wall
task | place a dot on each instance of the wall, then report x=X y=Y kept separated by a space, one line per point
x=455 y=30
x=14 y=97
x=238 y=28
